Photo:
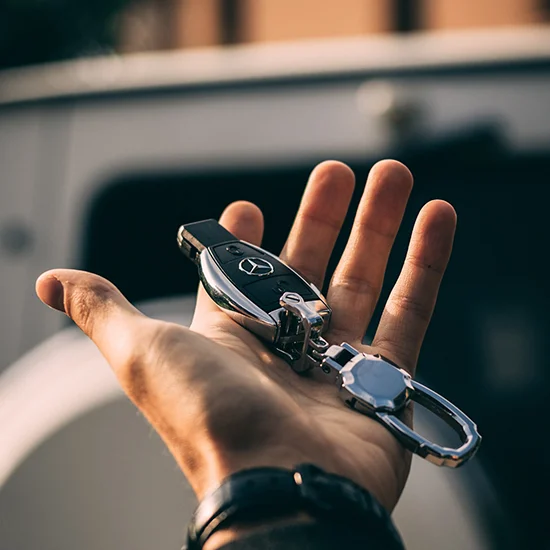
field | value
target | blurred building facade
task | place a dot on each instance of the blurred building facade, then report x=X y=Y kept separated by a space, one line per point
x=166 y=24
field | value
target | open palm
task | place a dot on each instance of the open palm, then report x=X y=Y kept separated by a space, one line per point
x=220 y=399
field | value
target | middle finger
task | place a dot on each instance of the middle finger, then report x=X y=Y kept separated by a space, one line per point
x=357 y=281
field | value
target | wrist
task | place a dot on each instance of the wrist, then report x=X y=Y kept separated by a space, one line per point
x=217 y=469
x=263 y=498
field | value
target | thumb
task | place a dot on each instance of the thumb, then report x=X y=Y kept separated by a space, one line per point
x=135 y=346
x=98 y=308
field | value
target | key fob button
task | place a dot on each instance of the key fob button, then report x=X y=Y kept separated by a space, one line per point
x=230 y=252
x=234 y=250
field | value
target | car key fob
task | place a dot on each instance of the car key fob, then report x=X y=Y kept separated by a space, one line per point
x=259 y=291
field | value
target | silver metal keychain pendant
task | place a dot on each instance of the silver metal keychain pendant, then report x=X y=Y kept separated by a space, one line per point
x=273 y=301
x=373 y=385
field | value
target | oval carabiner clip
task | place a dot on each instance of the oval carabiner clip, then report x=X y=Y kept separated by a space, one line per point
x=453 y=416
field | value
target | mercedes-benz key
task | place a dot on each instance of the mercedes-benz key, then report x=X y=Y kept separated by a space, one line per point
x=249 y=283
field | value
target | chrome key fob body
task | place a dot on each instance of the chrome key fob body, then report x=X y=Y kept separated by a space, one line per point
x=248 y=283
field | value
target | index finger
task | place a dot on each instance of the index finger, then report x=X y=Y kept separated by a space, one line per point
x=319 y=220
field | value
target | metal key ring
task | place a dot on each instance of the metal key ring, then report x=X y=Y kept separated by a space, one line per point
x=453 y=416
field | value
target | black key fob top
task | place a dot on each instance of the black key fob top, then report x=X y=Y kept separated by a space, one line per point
x=253 y=287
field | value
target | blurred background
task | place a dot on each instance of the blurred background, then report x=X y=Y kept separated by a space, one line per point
x=120 y=120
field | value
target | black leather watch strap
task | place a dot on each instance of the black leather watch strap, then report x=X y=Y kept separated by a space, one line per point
x=272 y=492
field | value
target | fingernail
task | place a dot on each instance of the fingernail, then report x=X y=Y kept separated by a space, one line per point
x=57 y=295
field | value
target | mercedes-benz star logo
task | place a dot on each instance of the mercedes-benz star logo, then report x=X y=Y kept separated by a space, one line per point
x=256 y=266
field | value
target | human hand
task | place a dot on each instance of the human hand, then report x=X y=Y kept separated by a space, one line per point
x=220 y=399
